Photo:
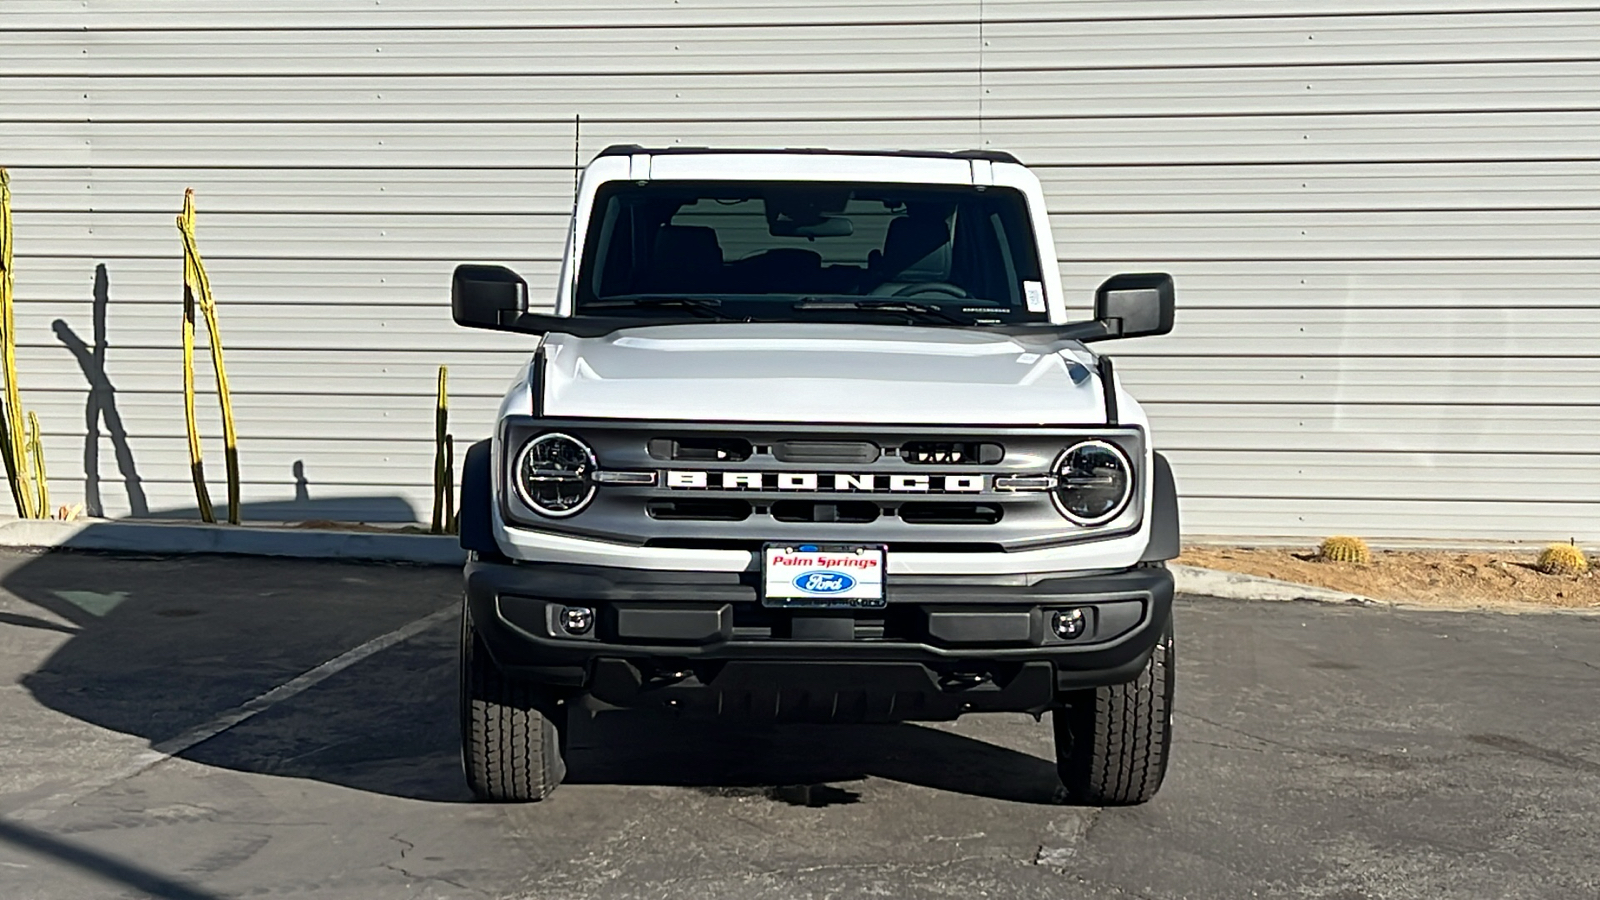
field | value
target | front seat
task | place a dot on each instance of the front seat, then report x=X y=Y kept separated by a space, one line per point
x=915 y=251
x=684 y=259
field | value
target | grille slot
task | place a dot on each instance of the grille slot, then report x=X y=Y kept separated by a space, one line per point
x=824 y=511
x=859 y=452
x=708 y=448
x=951 y=513
x=952 y=452
x=698 y=510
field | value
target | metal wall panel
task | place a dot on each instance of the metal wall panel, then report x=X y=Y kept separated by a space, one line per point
x=1383 y=218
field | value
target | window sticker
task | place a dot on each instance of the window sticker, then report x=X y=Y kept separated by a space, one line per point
x=1034 y=292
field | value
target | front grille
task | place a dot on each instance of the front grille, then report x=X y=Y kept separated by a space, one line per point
x=855 y=511
x=854 y=452
x=698 y=510
x=700 y=448
x=727 y=485
x=951 y=513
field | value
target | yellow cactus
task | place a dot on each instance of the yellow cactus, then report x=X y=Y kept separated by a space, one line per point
x=1563 y=559
x=1342 y=549
x=197 y=292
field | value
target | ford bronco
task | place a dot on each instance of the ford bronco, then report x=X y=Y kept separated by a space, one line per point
x=810 y=436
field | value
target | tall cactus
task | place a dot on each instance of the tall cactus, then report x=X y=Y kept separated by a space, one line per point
x=197 y=291
x=41 y=481
x=443 y=469
x=13 y=433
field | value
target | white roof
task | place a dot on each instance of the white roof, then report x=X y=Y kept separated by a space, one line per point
x=796 y=165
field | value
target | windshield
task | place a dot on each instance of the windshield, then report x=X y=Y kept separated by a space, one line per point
x=799 y=251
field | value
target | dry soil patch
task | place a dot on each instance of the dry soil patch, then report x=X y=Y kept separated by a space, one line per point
x=1425 y=577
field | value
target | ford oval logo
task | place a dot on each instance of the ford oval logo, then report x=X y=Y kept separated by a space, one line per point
x=824 y=582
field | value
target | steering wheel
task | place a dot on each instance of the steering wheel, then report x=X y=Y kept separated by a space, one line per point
x=933 y=287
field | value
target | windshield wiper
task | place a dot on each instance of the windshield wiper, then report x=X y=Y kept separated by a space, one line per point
x=703 y=306
x=915 y=310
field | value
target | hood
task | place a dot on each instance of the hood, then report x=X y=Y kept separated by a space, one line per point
x=819 y=372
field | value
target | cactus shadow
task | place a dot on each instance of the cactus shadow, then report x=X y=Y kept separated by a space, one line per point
x=101 y=405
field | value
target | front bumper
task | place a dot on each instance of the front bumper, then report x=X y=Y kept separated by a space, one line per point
x=702 y=643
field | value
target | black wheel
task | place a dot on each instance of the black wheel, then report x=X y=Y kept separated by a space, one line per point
x=511 y=729
x=1112 y=742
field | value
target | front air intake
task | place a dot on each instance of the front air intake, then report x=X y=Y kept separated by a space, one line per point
x=858 y=452
x=708 y=448
x=951 y=513
x=698 y=510
x=820 y=511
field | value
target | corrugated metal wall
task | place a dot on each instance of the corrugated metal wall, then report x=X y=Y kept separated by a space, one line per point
x=1384 y=218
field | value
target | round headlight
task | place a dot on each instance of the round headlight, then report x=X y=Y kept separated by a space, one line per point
x=555 y=474
x=1094 y=481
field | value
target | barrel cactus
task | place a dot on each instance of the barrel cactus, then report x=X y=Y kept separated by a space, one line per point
x=1341 y=549
x=1563 y=559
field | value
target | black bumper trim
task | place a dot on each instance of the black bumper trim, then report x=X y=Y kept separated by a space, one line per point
x=824 y=692
x=692 y=617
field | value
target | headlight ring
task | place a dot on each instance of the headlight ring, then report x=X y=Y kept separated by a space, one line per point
x=554 y=475
x=1094 y=482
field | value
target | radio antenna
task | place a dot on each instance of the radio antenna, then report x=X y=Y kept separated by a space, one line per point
x=577 y=133
x=572 y=232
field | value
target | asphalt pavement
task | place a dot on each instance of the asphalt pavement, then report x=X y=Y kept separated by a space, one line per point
x=199 y=728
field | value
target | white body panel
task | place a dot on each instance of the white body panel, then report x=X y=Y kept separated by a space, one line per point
x=766 y=372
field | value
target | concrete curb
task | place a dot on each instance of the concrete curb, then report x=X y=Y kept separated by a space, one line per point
x=248 y=540
x=1238 y=586
x=443 y=550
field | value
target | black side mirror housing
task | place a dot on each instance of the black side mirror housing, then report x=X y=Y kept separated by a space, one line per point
x=488 y=297
x=1135 y=305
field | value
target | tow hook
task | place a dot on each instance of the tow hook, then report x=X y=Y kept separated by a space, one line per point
x=952 y=682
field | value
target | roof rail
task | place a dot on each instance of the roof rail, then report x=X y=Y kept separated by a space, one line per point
x=990 y=155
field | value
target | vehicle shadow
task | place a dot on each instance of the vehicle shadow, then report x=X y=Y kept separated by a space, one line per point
x=799 y=764
x=160 y=645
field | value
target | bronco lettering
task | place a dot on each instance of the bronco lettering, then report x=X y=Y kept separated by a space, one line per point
x=842 y=483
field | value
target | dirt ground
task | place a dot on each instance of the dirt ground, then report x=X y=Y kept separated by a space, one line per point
x=1435 y=578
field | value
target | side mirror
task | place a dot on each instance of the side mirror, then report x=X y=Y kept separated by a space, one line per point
x=1135 y=305
x=487 y=297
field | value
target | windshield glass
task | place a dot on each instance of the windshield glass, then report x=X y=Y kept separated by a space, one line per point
x=797 y=251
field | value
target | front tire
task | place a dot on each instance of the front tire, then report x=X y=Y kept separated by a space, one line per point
x=1112 y=743
x=511 y=729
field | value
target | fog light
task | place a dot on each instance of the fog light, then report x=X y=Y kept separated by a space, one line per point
x=1069 y=623
x=576 y=620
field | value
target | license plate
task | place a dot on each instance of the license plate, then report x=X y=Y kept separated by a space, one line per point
x=822 y=575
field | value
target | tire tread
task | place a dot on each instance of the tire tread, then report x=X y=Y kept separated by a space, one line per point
x=1113 y=742
x=510 y=736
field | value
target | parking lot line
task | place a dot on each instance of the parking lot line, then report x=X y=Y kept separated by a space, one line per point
x=205 y=731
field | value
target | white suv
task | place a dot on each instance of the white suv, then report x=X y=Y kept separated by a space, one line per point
x=809 y=437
